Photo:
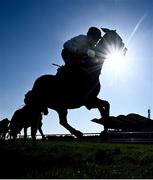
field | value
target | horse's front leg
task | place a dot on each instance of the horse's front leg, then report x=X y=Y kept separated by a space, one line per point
x=33 y=134
x=41 y=132
x=104 y=109
x=63 y=121
x=25 y=132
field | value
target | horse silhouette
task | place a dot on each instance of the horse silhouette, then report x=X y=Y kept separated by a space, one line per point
x=74 y=86
x=24 y=118
x=4 y=127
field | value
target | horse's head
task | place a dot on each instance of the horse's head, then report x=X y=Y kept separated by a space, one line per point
x=5 y=121
x=15 y=128
x=16 y=123
x=111 y=43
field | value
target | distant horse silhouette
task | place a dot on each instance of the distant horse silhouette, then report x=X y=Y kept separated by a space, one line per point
x=25 y=118
x=75 y=86
x=4 y=127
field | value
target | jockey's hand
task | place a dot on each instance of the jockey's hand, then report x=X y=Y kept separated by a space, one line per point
x=91 y=53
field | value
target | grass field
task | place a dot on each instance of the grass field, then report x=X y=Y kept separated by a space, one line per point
x=52 y=159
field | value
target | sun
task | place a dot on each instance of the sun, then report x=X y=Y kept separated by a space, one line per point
x=116 y=61
x=115 y=56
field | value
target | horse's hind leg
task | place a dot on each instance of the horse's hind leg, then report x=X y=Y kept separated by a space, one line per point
x=63 y=121
x=104 y=108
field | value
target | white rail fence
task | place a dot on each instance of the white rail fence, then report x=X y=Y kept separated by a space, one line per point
x=112 y=137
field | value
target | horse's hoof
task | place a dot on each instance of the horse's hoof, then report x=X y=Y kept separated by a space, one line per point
x=44 y=138
x=79 y=134
x=104 y=135
x=95 y=120
x=99 y=121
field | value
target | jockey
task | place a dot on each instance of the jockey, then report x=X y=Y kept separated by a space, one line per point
x=80 y=49
x=79 y=55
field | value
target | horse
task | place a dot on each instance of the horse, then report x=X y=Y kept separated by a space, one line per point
x=74 y=86
x=4 y=127
x=24 y=118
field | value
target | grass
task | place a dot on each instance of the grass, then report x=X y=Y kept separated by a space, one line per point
x=51 y=159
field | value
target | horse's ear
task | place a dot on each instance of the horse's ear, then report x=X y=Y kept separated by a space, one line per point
x=105 y=30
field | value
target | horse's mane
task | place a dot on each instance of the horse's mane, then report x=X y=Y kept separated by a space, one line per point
x=110 y=40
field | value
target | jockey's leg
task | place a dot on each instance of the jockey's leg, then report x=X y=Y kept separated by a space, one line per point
x=63 y=121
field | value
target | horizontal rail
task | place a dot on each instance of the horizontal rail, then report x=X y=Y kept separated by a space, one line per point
x=60 y=135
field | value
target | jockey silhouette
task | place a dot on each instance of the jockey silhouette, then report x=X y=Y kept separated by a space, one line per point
x=81 y=48
x=78 y=54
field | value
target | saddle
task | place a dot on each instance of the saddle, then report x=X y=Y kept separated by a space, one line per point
x=73 y=74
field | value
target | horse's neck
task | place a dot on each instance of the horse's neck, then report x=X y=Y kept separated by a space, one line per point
x=94 y=71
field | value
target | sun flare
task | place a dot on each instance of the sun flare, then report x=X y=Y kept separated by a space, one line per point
x=116 y=61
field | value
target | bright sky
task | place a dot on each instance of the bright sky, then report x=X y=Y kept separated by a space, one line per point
x=32 y=33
